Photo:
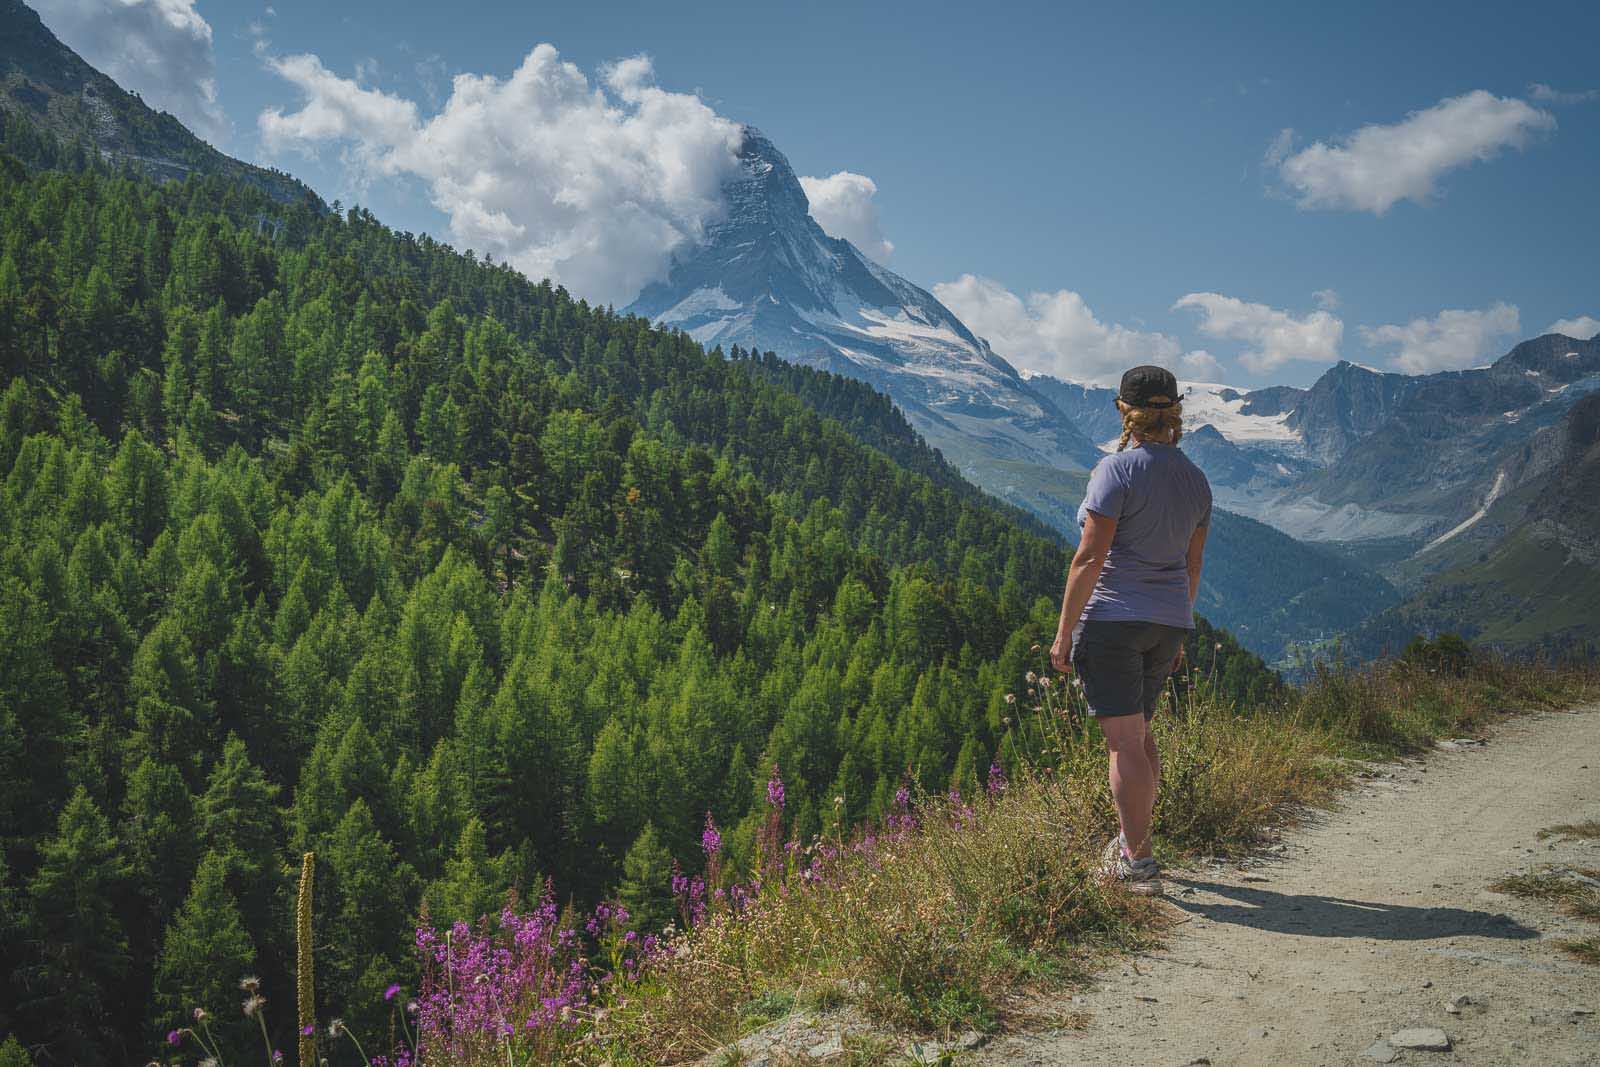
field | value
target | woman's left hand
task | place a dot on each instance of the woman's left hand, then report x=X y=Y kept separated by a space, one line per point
x=1061 y=656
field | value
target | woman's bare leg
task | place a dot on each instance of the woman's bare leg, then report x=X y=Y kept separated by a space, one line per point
x=1133 y=778
x=1154 y=757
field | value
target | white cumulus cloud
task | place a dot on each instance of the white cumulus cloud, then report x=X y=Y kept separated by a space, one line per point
x=1202 y=366
x=1454 y=339
x=160 y=49
x=591 y=183
x=1273 y=336
x=1545 y=94
x=1583 y=327
x=1378 y=166
x=843 y=206
x=1052 y=333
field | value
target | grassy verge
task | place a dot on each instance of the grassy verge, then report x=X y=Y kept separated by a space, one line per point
x=1584 y=950
x=1588 y=830
x=1574 y=891
x=934 y=926
x=959 y=912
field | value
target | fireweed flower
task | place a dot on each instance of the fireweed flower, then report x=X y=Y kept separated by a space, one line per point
x=711 y=838
x=391 y=992
x=174 y=1037
x=997 y=779
x=775 y=789
x=525 y=981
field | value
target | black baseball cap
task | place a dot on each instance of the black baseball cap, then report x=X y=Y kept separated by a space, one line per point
x=1148 y=387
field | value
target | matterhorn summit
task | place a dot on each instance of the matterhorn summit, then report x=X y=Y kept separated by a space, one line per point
x=767 y=277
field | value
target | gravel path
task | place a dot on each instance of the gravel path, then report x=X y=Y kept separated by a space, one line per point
x=1368 y=922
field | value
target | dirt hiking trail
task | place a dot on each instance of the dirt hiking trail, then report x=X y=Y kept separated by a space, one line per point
x=1368 y=921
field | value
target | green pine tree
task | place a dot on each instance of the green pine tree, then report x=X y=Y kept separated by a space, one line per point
x=646 y=889
x=80 y=947
x=472 y=885
x=204 y=954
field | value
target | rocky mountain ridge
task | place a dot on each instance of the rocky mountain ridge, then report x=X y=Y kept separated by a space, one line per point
x=49 y=86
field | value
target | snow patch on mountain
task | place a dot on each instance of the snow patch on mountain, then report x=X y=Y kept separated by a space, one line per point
x=1223 y=407
x=702 y=301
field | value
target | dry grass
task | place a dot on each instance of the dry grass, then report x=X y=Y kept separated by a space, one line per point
x=1586 y=950
x=1398 y=706
x=1588 y=830
x=1575 y=891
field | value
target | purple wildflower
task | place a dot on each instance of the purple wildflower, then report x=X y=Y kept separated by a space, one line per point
x=711 y=838
x=391 y=992
x=174 y=1037
x=308 y=1029
x=775 y=789
x=997 y=779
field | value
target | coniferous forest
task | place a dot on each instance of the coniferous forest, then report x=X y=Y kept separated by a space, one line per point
x=315 y=536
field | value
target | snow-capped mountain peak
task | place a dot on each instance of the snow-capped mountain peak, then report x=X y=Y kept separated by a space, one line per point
x=767 y=277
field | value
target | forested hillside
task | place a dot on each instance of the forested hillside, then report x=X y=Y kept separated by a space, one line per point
x=315 y=536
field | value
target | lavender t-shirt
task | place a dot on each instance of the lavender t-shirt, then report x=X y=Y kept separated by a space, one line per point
x=1159 y=498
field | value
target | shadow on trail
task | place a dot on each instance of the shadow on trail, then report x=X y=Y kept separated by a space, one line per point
x=1319 y=916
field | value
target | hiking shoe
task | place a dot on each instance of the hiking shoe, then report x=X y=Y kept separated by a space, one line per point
x=1142 y=877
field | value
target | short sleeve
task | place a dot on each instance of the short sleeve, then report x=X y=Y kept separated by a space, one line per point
x=1107 y=492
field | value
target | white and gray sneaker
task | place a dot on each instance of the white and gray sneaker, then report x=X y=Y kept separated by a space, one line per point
x=1142 y=877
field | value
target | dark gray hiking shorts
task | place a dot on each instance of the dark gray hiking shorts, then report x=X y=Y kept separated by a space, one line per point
x=1124 y=665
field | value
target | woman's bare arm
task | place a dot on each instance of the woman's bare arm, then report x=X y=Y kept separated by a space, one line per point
x=1087 y=562
x=1196 y=559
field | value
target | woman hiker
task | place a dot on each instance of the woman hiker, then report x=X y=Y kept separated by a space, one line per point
x=1129 y=601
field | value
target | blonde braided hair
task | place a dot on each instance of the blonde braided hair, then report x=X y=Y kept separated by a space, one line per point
x=1154 y=423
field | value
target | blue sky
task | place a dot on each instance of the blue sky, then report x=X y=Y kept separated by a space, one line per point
x=1114 y=162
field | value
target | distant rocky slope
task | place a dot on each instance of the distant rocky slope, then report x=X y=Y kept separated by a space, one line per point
x=44 y=81
x=1525 y=571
